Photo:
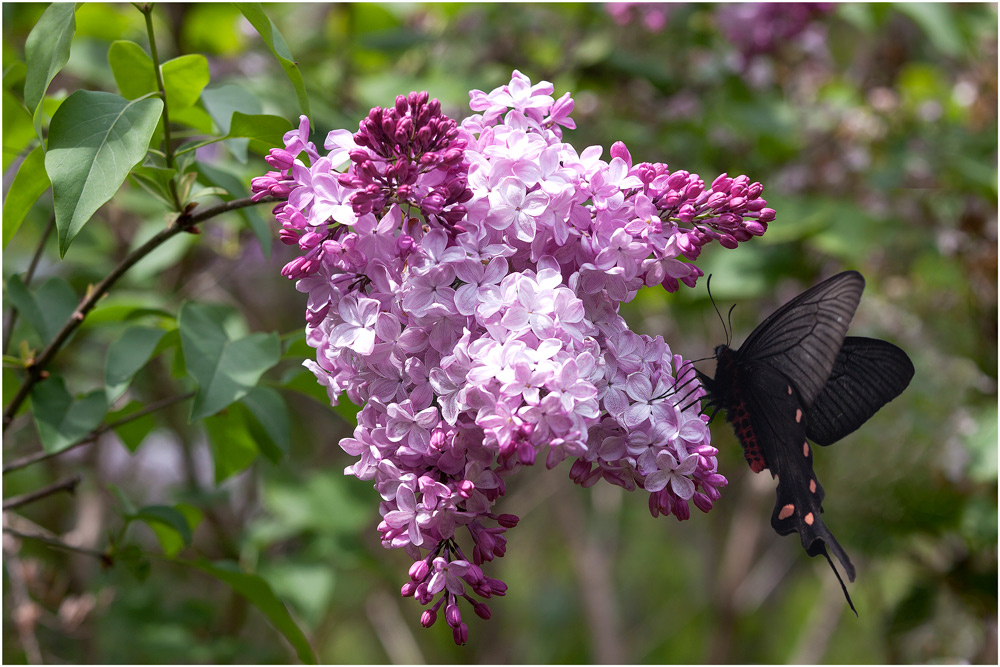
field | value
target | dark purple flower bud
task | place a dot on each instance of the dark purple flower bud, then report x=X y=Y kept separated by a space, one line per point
x=681 y=510
x=618 y=149
x=728 y=241
x=428 y=617
x=678 y=180
x=408 y=589
x=580 y=471
x=460 y=634
x=702 y=502
x=288 y=237
x=419 y=570
x=279 y=158
x=404 y=243
x=401 y=105
x=694 y=190
x=452 y=615
x=766 y=215
x=310 y=240
x=482 y=611
x=508 y=520
x=722 y=183
x=498 y=587
x=294 y=268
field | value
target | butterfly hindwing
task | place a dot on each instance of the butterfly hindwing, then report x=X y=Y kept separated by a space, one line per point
x=867 y=374
x=801 y=339
x=778 y=420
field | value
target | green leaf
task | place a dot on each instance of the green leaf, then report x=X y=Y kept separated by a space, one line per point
x=134 y=432
x=172 y=518
x=221 y=102
x=170 y=540
x=254 y=13
x=233 y=447
x=28 y=185
x=47 y=309
x=18 y=130
x=95 y=138
x=183 y=80
x=132 y=68
x=60 y=419
x=127 y=355
x=225 y=369
x=259 y=593
x=46 y=51
x=264 y=131
x=156 y=181
x=267 y=419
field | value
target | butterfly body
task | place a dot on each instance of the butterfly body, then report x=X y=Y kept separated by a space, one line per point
x=799 y=377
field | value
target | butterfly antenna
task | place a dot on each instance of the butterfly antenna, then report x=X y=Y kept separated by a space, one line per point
x=729 y=316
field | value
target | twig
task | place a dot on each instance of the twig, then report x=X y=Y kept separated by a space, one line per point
x=26 y=461
x=184 y=223
x=8 y=325
x=68 y=484
x=104 y=557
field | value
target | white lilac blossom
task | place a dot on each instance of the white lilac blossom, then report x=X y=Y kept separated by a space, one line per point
x=463 y=287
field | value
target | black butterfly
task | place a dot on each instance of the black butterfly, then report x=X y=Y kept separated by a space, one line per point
x=797 y=377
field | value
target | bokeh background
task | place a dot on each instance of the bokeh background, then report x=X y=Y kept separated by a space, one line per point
x=874 y=131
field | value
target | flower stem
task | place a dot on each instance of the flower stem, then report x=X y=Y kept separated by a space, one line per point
x=168 y=150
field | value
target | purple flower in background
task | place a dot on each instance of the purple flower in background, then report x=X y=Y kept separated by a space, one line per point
x=464 y=282
x=763 y=27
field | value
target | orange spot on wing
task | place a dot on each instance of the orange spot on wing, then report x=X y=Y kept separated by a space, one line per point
x=809 y=518
x=789 y=390
x=798 y=416
x=787 y=511
x=812 y=486
x=805 y=449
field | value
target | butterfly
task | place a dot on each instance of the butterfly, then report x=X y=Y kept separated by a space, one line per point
x=799 y=377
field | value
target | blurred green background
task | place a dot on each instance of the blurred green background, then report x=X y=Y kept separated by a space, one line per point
x=874 y=131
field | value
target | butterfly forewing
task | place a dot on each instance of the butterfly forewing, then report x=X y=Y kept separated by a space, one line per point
x=867 y=374
x=801 y=339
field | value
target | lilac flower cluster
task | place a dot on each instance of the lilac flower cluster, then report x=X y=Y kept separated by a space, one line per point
x=762 y=27
x=463 y=287
x=652 y=15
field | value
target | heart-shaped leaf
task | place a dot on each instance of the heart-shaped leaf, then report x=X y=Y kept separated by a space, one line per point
x=132 y=68
x=29 y=184
x=127 y=355
x=225 y=369
x=46 y=51
x=61 y=419
x=95 y=138
x=260 y=595
x=254 y=13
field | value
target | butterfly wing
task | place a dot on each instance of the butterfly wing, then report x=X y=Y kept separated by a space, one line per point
x=867 y=374
x=777 y=416
x=801 y=339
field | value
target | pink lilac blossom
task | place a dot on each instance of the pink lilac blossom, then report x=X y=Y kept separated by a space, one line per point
x=463 y=286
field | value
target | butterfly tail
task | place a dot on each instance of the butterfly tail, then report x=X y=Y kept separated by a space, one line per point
x=820 y=548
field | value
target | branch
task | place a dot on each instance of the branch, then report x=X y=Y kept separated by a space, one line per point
x=186 y=221
x=103 y=556
x=26 y=461
x=68 y=484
